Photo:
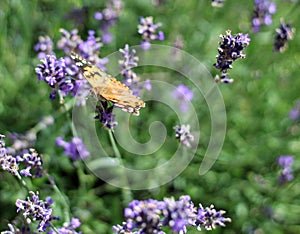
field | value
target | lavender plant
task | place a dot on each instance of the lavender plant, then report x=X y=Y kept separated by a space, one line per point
x=33 y=209
x=151 y=216
x=75 y=149
x=64 y=77
x=230 y=49
x=105 y=116
x=68 y=227
x=37 y=210
x=44 y=46
x=262 y=14
x=108 y=17
x=182 y=133
x=148 y=30
x=131 y=79
x=294 y=113
x=283 y=34
x=183 y=95
x=29 y=160
x=285 y=162
x=53 y=72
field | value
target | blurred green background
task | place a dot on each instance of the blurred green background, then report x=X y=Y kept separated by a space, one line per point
x=243 y=181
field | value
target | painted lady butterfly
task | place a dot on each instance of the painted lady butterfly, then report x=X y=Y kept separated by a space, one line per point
x=108 y=87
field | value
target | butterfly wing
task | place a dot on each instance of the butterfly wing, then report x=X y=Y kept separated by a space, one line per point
x=90 y=72
x=109 y=87
x=120 y=95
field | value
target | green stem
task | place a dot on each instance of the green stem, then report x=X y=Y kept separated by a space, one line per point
x=63 y=199
x=22 y=182
x=114 y=145
x=127 y=195
x=54 y=228
x=42 y=125
x=83 y=178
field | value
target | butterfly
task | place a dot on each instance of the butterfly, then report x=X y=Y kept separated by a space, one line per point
x=108 y=87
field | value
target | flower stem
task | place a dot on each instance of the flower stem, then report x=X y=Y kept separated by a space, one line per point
x=114 y=145
x=63 y=198
x=54 y=228
x=22 y=182
x=127 y=195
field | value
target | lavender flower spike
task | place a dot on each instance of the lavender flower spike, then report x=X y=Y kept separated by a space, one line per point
x=183 y=95
x=33 y=162
x=263 y=9
x=286 y=174
x=179 y=214
x=68 y=227
x=7 y=162
x=131 y=79
x=29 y=159
x=183 y=135
x=74 y=149
x=44 y=46
x=209 y=218
x=230 y=49
x=150 y=216
x=148 y=30
x=69 y=40
x=283 y=34
x=37 y=210
x=53 y=72
x=108 y=18
x=105 y=115
x=294 y=113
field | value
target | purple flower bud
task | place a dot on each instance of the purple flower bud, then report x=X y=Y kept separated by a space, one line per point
x=230 y=49
x=286 y=174
x=263 y=9
x=285 y=161
x=131 y=79
x=148 y=30
x=74 y=149
x=37 y=210
x=149 y=216
x=183 y=95
x=283 y=34
x=182 y=133
x=105 y=116
x=98 y=15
